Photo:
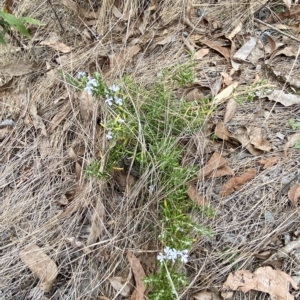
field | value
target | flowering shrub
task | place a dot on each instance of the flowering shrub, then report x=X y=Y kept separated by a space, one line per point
x=144 y=126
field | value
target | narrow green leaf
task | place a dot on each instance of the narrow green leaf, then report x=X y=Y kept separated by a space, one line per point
x=31 y=21
x=2 y=42
x=297 y=145
x=22 y=29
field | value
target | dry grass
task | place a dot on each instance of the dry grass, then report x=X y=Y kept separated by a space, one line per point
x=46 y=200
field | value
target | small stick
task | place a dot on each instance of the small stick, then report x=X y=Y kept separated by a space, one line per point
x=62 y=28
x=278 y=30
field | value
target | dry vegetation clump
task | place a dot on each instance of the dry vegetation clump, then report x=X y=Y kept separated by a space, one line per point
x=104 y=232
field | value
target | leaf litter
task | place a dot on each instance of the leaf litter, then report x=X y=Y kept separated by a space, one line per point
x=91 y=214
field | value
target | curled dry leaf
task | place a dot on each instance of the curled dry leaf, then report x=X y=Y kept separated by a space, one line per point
x=231 y=108
x=242 y=137
x=216 y=161
x=195 y=196
x=265 y=279
x=227 y=79
x=256 y=138
x=120 y=59
x=214 y=45
x=271 y=43
x=294 y=194
x=139 y=275
x=204 y=295
x=292 y=140
x=269 y=161
x=225 y=94
x=221 y=132
x=201 y=53
x=235 y=183
x=283 y=98
x=41 y=265
x=56 y=45
x=121 y=285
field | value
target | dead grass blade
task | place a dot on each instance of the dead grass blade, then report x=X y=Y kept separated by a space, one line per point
x=59 y=117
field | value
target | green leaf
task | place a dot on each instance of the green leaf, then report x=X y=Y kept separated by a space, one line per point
x=31 y=21
x=22 y=29
x=297 y=145
x=2 y=42
x=293 y=124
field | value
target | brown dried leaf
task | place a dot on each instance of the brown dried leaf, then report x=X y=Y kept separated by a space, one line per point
x=139 y=275
x=56 y=45
x=221 y=132
x=265 y=279
x=79 y=10
x=145 y=20
x=18 y=68
x=256 y=138
x=226 y=78
x=283 y=98
x=292 y=139
x=272 y=44
x=235 y=31
x=287 y=51
x=41 y=265
x=97 y=223
x=120 y=59
x=222 y=171
x=231 y=108
x=87 y=106
x=37 y=120
x=241 y=136
x=195 y=196
x=201 y=53
x=214 y=45
x=121 y=285
x=204 y=295
x=225 y=94
x=124 y=181
x=216 y=161
x=59 y=117
x=193 y=95
x=235 y=183
x=294 y=194
x=269 y=161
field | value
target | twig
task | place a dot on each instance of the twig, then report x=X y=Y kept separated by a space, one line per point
x=62 y=28
x=276 y=29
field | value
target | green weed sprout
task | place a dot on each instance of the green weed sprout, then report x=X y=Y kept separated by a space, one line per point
x=8 y=21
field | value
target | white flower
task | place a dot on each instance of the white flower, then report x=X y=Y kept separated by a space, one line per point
x=151 y=189
x=118 y=101
x=172 y=254
x=81 y=74
x=120 y=120
x=109 y=135
x=160 y=257
x=114 y=88
x=92 y=82
x=109 y=101
x=89 y=89
x=183 y=255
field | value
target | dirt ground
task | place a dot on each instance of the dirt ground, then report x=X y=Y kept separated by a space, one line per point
x=49 y=133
